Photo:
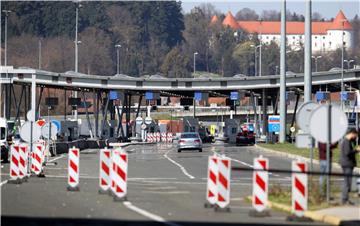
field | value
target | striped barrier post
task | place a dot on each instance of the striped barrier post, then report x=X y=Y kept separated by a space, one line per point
x=36 y=160
x=163 y=137
x=147 y=137
x=157 y=137
x=211 y=190
x=14 y=163
x=223 y=184
x=260 y=187
x=169 y=138
x=73 y=169
x=119 y=174
x=104 y=175
x=23 y=161
x=151 y=138
x=299 y=188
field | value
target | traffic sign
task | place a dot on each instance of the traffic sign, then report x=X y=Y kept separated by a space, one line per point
x=139 y=120
x=148 y=120
x=325 y=118
x=274 y=123
x=49 y=129
x=303 y=115
x=31 y=115
x=25 y=132
x=143 y=126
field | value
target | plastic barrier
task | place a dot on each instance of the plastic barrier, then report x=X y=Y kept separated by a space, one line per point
x=119 y=174
x=260 y=184
x=105 y=165
x=73 y=169
x=299 y=188
x=211 y=191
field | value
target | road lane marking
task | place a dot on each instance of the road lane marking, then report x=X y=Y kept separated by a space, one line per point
x=167 y=192
x=180 y=166
x=147 y=214
x=3 y=182
x=54 y=159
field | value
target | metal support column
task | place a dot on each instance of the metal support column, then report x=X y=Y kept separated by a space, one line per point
x=264 y=113
x=307 y=54
x=17 y=116
x=105 y=111
x=282 y=134
x=87 y=115
x=138 y=109
x=39 y=101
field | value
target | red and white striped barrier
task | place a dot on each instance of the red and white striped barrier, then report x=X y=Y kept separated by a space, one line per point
x=119 y=174
x=223 y=182
x=37 y=159
x=299 y=188
x=158 y=137
x=73 y=169
x=211 y=190
x=260 y=184
x=163 y=137
x=23 y=160
x=105 y=165
x=14 y=162
x=169 y=138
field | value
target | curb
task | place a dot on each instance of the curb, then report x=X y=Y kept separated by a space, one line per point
x=293 y=156
x=328 y=219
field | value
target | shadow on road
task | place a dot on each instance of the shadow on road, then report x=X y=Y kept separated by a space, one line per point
x=36 y=221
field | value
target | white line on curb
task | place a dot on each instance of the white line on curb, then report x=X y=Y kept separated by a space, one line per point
x=147 y=214
x=180 y=166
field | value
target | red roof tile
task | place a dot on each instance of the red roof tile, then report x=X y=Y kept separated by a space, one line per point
x=273 y=27
x=214 y=19
x=292 y=27
x=230 y=21
x=338 y=22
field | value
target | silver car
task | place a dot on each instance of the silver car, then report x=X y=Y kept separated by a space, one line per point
x=189 y=140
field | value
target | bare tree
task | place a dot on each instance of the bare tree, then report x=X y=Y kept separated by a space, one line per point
x=247 y=14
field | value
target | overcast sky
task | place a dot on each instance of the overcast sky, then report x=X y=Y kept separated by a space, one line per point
x=327 y=8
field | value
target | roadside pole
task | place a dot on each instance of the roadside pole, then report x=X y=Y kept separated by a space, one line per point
x=283 y=74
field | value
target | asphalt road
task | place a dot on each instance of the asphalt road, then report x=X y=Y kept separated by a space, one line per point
x=164 y=188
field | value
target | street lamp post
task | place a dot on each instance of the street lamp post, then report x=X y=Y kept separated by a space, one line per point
x=256 y=47
x=7 y=12
x=348 y=62
x=316 y=61
x=196 y=53
x=118 y=46
x=342 y=64
x=77 y=42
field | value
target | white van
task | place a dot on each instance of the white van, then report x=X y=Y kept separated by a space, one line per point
x=3 y=140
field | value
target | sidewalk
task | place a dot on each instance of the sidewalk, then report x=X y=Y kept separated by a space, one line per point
x=293 y=156
x=341 y=215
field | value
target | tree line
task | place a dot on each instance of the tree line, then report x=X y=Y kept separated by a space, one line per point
x=155 y=37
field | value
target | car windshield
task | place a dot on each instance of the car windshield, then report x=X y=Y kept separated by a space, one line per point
x=189 y=135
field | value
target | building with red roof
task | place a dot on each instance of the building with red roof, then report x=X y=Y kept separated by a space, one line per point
x=326 y=36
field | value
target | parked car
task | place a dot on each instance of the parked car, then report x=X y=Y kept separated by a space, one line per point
x=245 y=137
x=188 y=141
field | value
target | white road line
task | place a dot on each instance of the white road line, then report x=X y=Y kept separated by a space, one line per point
x=147 y=214
x=3 y=182
x=54 y=159
x=180 y=166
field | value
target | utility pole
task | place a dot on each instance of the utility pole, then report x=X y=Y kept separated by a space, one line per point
x=342 y=64
x=7 y=12
x=196 y=53
x=78 y=5
x=307 y=54
x=118 y=46
x=283 y=74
